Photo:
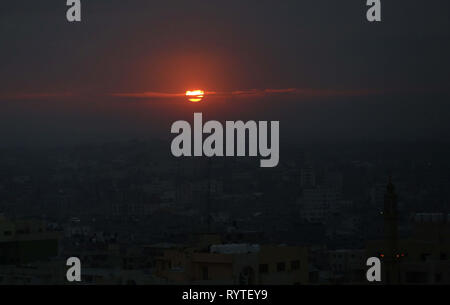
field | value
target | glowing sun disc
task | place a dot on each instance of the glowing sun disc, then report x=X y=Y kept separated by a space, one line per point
x=195 y=95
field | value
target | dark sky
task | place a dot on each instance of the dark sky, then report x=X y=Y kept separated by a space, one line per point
x=362 y=80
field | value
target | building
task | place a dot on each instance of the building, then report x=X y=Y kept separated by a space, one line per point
x=233 y=264
x=23 y=241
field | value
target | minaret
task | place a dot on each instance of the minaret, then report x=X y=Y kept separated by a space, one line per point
x=390 y=214
x=208 y=198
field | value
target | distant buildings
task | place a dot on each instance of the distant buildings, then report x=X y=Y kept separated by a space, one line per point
x=317 y=204
x=128 y=214
x=320 y=198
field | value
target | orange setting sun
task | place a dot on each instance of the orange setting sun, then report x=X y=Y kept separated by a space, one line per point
x=195 y=95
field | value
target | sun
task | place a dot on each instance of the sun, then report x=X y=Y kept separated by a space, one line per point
x=195 y=96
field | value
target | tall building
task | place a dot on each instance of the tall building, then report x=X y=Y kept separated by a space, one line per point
x=307 y=177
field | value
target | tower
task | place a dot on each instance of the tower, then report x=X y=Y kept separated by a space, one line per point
x=208 y=197
x=390 y=214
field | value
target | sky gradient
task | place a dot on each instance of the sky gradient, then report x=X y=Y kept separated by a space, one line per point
x=317 y=66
